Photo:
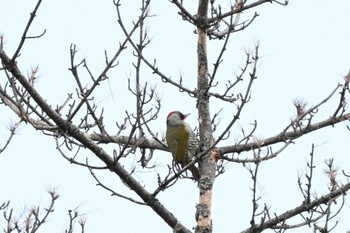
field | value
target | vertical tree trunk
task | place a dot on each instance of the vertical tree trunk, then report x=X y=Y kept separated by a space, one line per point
x=207 y=164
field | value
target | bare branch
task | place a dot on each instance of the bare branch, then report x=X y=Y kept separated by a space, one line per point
x=13 y=127
x=184 y=13
x=243 y=8
x=245 y=98
x=282 y=137
x=24 y=36
x=113 y=193
x=32 y=219
x=298 y=210
x=342 y=101
x=103 y=74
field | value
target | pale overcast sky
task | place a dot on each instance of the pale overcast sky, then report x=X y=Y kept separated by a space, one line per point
x=304 y=50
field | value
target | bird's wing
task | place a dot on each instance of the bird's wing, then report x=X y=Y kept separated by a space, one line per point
x=181 y=145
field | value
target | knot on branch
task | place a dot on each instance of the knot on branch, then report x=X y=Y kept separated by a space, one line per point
x=202 y=23
x=205 y=184
x=202 y=210
x=203 y=229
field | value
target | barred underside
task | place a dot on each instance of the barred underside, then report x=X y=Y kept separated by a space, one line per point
x=192 y=144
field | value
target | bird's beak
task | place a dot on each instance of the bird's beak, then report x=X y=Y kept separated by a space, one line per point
x=186 y=115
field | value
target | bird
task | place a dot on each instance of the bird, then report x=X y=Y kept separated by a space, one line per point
x=182 y=141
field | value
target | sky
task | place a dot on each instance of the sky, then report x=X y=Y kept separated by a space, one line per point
x=304 y=51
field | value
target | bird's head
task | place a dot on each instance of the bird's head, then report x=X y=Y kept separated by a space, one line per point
x=175 y=118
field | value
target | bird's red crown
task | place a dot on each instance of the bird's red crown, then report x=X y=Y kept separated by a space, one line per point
x=182 y=116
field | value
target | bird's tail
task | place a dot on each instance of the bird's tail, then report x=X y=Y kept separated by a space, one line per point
x=195 y=172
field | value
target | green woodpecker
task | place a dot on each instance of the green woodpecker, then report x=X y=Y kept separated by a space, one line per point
x=182 y=141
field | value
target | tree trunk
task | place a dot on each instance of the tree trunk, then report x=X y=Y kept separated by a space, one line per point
x=208 y=161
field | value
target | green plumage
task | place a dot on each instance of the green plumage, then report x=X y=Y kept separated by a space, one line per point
x=182 y=144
